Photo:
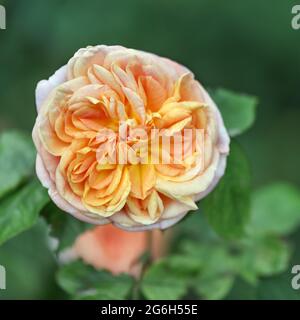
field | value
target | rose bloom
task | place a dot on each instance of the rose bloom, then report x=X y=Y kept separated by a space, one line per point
x=99 y=91
x=118 y=251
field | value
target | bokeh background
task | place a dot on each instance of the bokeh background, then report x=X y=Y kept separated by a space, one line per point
x=244 y=46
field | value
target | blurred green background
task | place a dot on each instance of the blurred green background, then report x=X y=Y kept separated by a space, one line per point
x=245 y=46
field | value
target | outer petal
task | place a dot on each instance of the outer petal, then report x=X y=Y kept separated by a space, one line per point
x=44 y=87
x=46 y=170
x=65 y=206
x=224 y=139
x=218 y=175
x=163 y=224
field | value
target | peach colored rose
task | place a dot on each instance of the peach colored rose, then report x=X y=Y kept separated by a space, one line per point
x=82 y=112
x=110 y=248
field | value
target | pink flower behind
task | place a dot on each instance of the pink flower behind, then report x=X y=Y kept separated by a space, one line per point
x=116 y=250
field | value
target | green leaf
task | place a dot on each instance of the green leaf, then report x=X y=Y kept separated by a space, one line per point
x=266 y=256
x=30 y=266
x=16 y=160
x=216 y=268
x=63 y=226
x=227 y=207
x=161 y=282
x=195 y=226
x=84 y=282
x=238 y=110
x=188 y=265
x=213 y=257
x=275 y=210
x=246 y=267
x=20 y=210
x=214 y=286
x=108 y=287
x=271 y=256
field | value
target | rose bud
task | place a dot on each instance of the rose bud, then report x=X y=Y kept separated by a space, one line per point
x=118 y=251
